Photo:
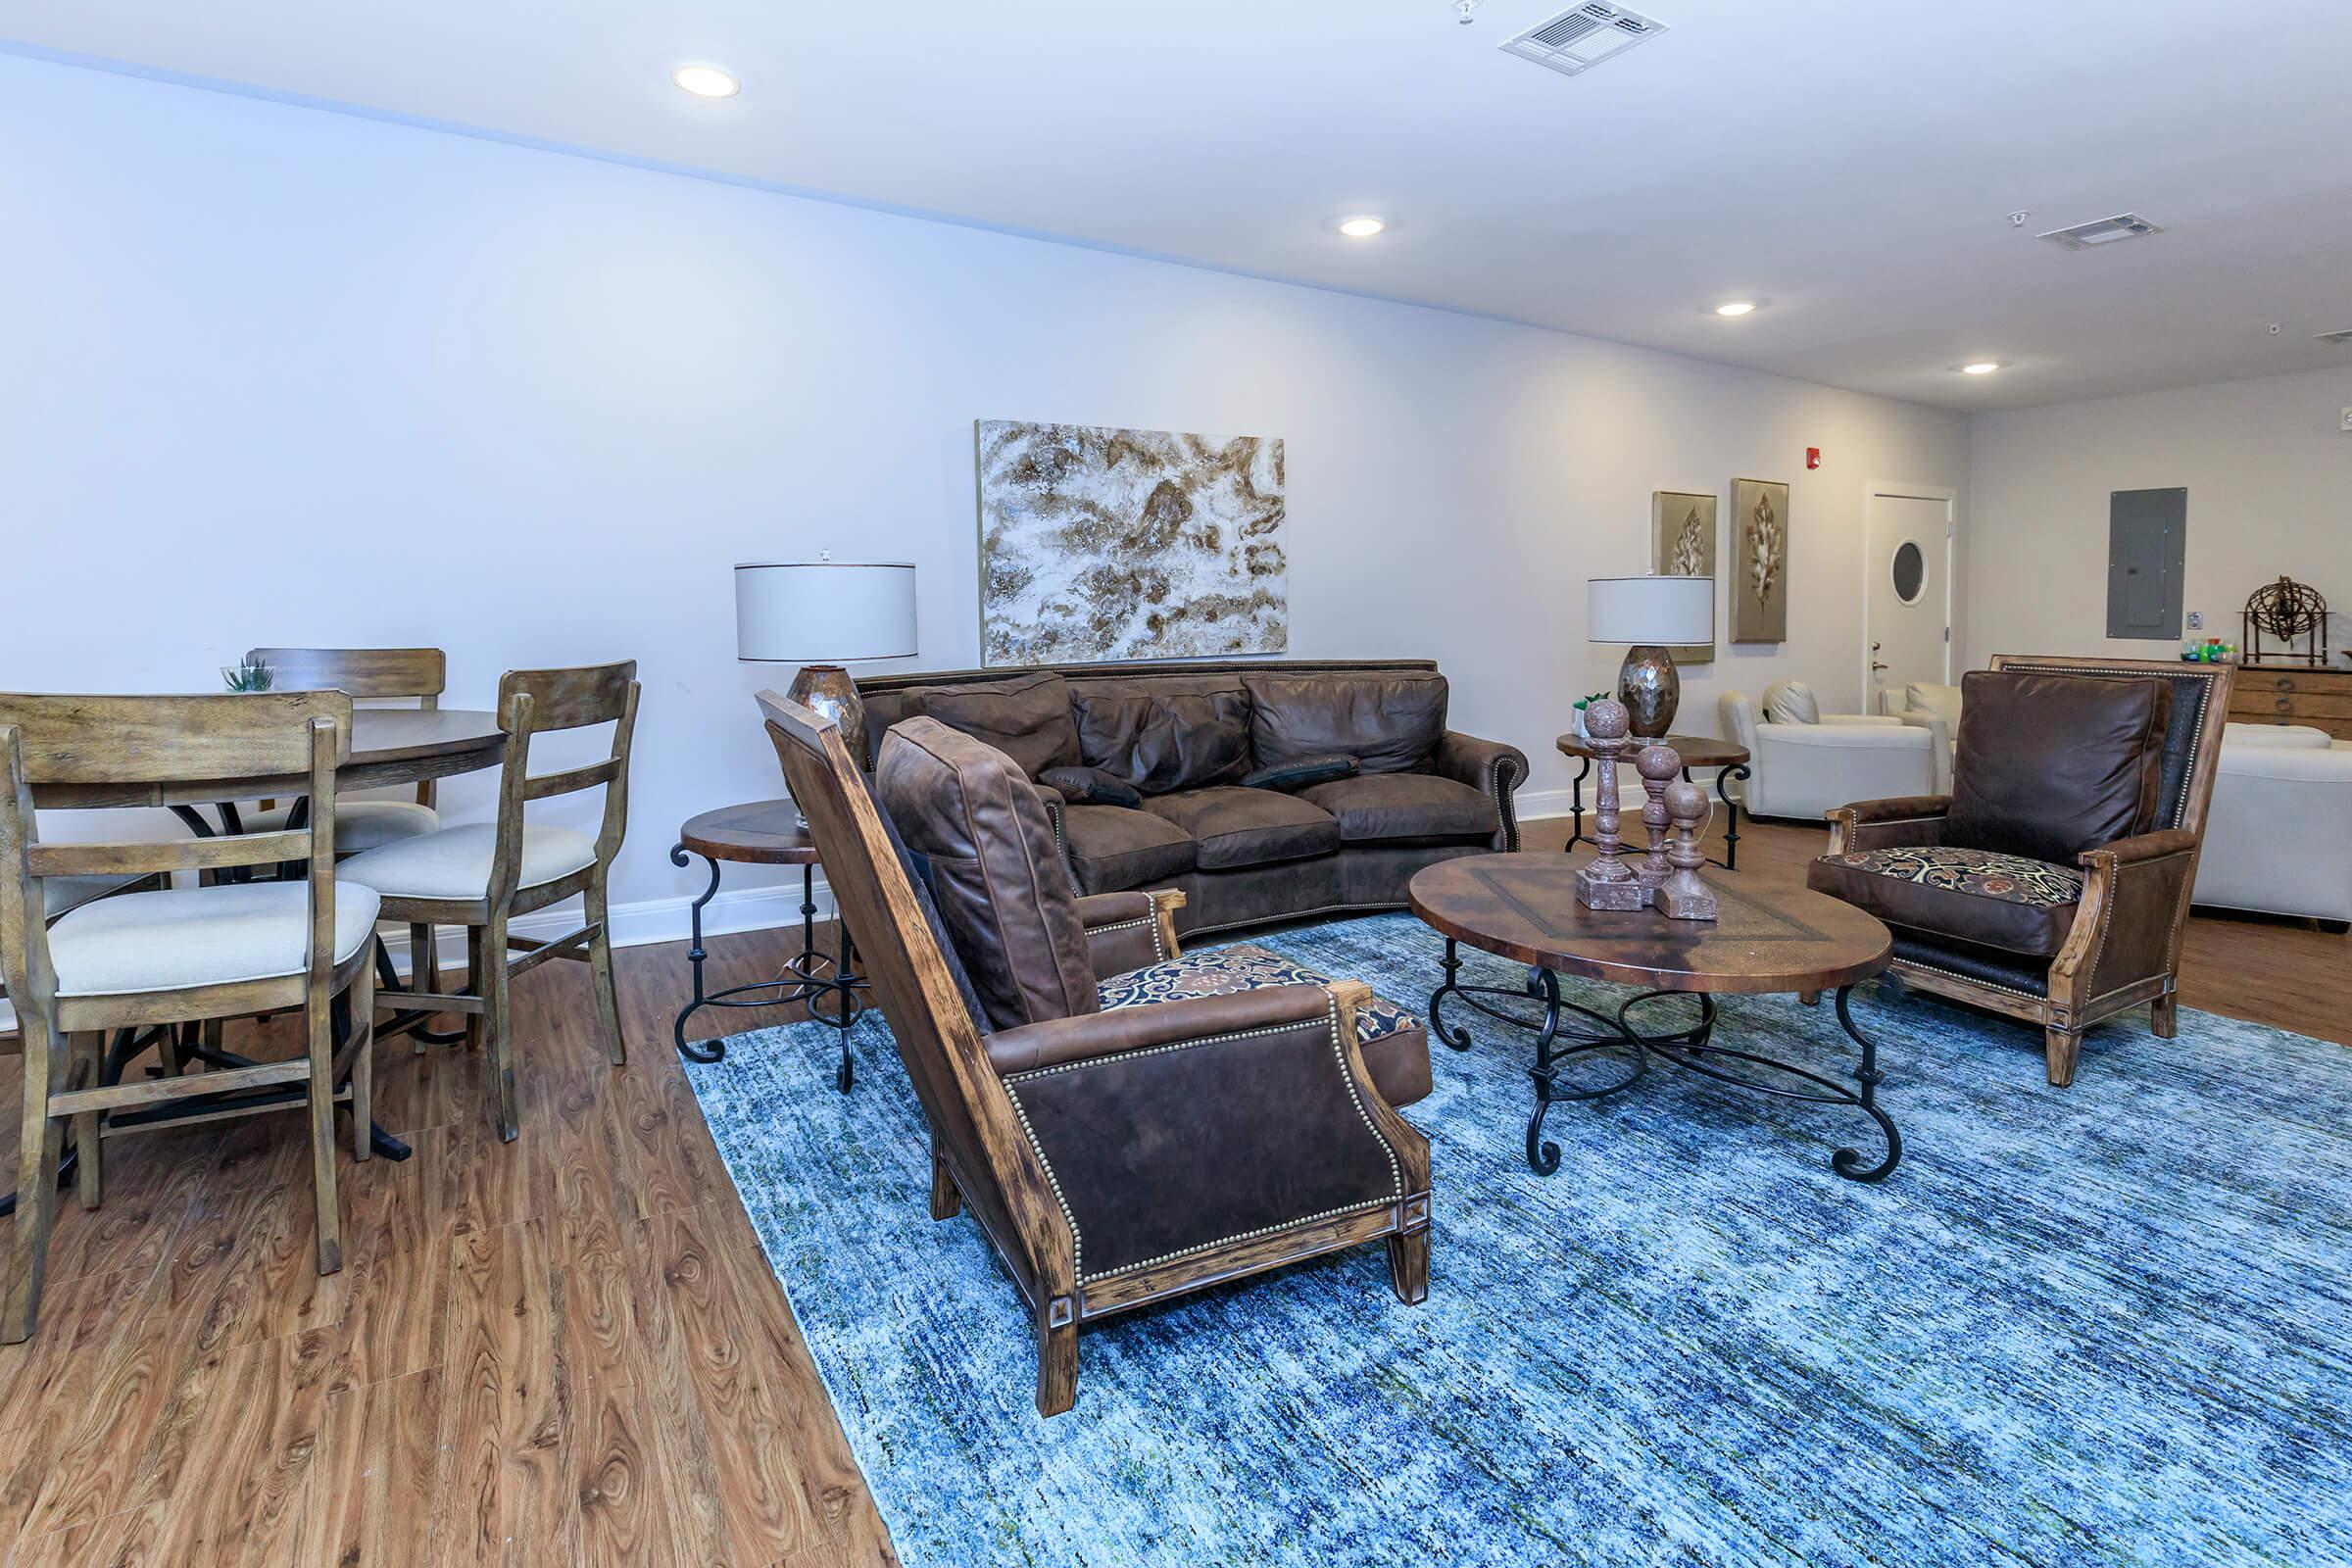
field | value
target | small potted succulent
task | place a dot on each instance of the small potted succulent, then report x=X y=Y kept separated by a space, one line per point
x=248 y=676
x=1583 y=703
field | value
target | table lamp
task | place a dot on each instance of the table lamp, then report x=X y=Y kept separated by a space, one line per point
x=1651 y=613
x=822 y=615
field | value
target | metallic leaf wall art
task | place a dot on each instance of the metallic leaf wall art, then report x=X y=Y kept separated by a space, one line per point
x=1760 y=578
x=1682 y=529
x=1105 y=544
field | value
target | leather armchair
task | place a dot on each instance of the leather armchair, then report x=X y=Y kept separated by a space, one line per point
x=2116 y=763
x=1126 y=1123
x=1807 y=771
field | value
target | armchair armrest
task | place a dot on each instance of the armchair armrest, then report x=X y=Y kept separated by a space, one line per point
x=1494 y=768
x=1868 y=720
x=2135 y=907
x=1128 y=930
x=1096 y=1036
x=1904 y=821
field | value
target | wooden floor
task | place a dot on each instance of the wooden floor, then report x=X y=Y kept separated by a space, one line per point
x=567 y=1349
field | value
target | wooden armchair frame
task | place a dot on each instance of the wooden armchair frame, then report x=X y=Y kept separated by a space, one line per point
x=533 y=703
x=2138 y=887
x=137 y=741
x=982 y=1152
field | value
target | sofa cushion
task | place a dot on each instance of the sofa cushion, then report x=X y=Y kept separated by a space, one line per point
x=1792 y=702
x=1232 y=827
x=1376 y=807
x=1999 y=901
x=1114 y=848
x=1089 y=786
x=993 y=871
x=1395 y=1046
x=1293 y=778
x=1027 y=719
x=2047 y=765
x=1390 y=723
x=1160 y=740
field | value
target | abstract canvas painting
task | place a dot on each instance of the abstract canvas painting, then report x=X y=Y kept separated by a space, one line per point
x=1102 y=544
x=1760 y=562
x=1682 y=544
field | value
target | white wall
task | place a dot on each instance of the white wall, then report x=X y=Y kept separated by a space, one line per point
x=276 y=375
x=2269 y=475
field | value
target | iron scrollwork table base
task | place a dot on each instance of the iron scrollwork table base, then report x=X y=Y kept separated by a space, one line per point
x=768 y=833
x=1523 y=907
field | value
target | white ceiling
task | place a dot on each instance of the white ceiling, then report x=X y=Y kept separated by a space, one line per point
x=1851 y=161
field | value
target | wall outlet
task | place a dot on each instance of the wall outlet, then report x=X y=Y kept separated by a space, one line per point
x=2196 y=620
x=2348 y=418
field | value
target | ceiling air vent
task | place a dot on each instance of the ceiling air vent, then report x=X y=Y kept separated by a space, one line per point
x=2106 y=231
x=1575 y=42
x=2342 y=334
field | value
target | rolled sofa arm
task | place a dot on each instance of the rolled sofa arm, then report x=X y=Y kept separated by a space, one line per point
x=1495 y=770
x=1129 y=930
x=1905 y=821
x=1174 y=1129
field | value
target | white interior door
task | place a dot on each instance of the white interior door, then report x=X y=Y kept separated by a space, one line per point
x=1908 y=592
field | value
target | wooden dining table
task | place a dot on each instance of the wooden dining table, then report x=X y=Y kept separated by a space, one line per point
x=389 y=746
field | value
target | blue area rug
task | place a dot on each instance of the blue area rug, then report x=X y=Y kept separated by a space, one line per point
x=2106 y=1325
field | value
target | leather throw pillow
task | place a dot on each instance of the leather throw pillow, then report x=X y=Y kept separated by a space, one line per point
x=1161 y=741
x=2049 y=765
x=1389 y=723
x=1027 y=719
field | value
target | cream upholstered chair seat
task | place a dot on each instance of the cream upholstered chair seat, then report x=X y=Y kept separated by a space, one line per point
x=359 y=824
x=455 y=863
x=193 y=937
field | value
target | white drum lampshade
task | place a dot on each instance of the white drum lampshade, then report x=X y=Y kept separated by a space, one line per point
x=822 y=615
x=824 y=612
x=1676 y=611
x=1650 y=615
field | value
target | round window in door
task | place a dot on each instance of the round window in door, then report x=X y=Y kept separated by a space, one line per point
x=1910 y=572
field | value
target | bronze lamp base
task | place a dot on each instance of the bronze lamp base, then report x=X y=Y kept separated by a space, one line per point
x=1650 y=689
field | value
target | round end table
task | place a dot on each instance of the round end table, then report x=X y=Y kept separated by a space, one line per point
x=1729 y=758
x=767 y=833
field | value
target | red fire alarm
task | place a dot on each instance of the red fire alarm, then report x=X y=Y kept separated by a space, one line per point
x=1812 y=457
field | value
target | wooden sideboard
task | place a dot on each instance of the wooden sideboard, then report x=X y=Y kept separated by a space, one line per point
x=2294 y=694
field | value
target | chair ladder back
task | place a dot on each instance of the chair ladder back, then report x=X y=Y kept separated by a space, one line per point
x=416 y=675
x=535 y=702
x=969 y=1108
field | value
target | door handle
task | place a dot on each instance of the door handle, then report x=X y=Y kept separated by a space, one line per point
x=1876 y=667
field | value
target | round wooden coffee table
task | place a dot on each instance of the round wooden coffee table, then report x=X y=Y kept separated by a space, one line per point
x=1729 y=758
x=1523 y=907
x=767 y=833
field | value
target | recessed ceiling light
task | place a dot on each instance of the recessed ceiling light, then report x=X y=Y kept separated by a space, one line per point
x=1362 y=228
x=1980 y=367
x=1736 y=307
x=705 y=81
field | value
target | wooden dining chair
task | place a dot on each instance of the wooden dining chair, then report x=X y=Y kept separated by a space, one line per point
x=482 y=875
x=387 y=675
x=133 y=960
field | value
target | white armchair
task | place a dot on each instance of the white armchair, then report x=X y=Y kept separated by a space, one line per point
x=1935 y=709
x=1805 y=769
x=2272 y=842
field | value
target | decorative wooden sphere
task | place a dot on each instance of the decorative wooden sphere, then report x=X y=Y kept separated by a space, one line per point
x=1606 y=719
x=1658 y=763
x=1686 y=803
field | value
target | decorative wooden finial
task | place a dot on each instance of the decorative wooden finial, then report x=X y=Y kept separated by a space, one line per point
x=1682 y=896
x=1659 y=765
x=1606 y=882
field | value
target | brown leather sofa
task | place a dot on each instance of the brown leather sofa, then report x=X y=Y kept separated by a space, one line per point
x=1260 y=790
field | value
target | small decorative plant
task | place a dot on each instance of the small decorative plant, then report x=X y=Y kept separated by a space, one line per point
x=248 y=676
x=1583 y=703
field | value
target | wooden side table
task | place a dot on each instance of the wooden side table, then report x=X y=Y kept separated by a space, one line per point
x=1727 y=758
x=767 y=833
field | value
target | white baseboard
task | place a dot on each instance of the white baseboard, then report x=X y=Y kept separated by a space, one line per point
x=652 y=920
x=1537 y=805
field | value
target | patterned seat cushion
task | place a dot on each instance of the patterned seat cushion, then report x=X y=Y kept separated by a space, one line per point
x=1982 y=896
x=1395 y=1048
